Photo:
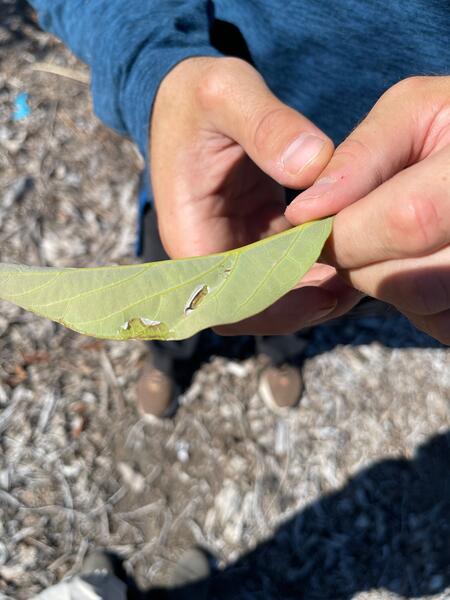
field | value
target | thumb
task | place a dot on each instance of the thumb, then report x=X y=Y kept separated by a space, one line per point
x=281 y=141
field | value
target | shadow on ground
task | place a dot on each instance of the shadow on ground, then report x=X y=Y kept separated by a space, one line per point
x=387 y=528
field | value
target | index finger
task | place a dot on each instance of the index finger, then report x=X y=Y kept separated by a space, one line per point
x=407 y=216
x=400 y=130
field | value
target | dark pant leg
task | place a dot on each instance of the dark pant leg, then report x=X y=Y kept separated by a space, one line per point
x=283 y=348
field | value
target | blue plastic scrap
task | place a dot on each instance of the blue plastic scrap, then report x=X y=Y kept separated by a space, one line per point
x=21 y=108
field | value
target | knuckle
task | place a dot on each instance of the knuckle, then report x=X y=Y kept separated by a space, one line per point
x=415 y=226
x=218 y=81
x=407 y=87
x=430 y=293
x=266 y=125
x=356 y=151
x=211 y=87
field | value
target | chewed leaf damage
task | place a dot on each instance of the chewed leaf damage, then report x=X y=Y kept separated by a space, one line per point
x=168 y=300
x=141 y=328
x=200 y=292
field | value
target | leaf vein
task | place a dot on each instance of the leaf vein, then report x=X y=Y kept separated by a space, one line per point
x=167 y=290
x=38 y=287
x=91 y=291
x=271 y=270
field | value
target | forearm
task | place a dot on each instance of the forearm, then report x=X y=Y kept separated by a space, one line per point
x=130 y=46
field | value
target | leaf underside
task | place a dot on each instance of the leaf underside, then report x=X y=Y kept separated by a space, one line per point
x=172 y=299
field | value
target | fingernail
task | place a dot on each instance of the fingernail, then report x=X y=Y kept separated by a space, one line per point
x=315 y=191
x=301 y=152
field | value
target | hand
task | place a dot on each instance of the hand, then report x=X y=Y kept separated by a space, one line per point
x=390 y=184
x=221 y=148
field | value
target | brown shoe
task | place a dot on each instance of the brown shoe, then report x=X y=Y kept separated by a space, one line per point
x=189 y=578
x=192 y=566
x=155 y=394
x=280 y=388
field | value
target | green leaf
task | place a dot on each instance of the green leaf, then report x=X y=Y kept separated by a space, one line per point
x=168 y=300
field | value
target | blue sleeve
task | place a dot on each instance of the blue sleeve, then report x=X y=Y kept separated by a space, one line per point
x=130 y=45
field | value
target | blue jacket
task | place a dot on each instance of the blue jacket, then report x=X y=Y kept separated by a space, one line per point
x=329 y=60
